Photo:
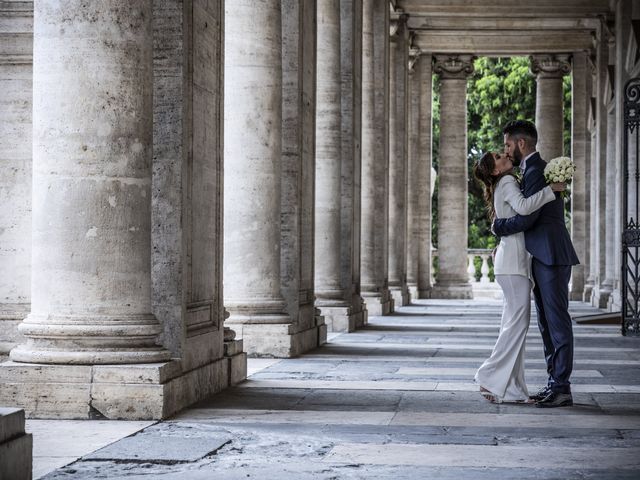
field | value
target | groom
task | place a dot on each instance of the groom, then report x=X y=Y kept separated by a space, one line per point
x=547 y=240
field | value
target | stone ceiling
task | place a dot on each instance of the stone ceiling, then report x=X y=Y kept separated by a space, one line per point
x=504 y=27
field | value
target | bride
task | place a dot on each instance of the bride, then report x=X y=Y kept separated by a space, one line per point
x=501 y=376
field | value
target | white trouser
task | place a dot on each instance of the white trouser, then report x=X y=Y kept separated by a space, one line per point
x=503 y=372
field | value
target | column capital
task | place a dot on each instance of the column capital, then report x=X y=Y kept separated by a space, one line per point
x=453 y=66
x=550 y=66
x=414 y=56
x=397 y=24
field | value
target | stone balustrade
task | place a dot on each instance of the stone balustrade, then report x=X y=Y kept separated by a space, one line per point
x=481 y=279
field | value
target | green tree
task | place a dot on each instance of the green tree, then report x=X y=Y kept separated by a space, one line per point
x=499 y=90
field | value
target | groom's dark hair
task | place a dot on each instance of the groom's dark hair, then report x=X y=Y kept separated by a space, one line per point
x=522 y=129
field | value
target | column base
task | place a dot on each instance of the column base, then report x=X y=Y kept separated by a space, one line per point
x=424 y=294
x=379 y=304
x=129 y=392
x=615 y=301
x=458 y=291
x=338 y=318
x=400 y=295
x=600 y=296
x=342 y=318
x=279 y=340
x=577 y=295
x=10 y=317
x=413 y=290
x=587 y=292
x=16 y=446
x=237 y=358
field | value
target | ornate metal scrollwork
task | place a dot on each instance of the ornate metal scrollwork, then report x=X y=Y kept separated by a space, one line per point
x=632 y=104
x=630 y=240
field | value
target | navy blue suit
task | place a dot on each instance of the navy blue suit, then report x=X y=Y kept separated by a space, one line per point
x=548 y=241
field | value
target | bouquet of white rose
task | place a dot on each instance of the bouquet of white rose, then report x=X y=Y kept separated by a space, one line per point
x=559 y=170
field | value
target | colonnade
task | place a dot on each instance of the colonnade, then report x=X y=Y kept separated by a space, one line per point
x=207 y=182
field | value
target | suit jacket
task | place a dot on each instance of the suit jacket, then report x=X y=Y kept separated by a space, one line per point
x=512 y=257
x=545 y=234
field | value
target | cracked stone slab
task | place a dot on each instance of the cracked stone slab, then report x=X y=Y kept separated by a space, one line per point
x=155 y=447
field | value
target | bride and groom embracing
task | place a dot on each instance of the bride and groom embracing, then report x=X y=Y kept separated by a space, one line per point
x=535 y=251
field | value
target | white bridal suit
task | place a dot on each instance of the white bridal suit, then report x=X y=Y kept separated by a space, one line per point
x=503 y=372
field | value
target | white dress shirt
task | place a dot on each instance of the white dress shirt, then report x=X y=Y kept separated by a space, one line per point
x=523 y=163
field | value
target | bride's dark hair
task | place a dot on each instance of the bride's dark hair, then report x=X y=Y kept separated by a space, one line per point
x=483 y=171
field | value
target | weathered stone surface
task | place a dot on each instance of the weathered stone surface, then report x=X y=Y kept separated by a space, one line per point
x=398 y=161
x=298 y=172
x=351 y=134
x=91 y=288
x=375 y=158
x=16 y=446
x=16 y=62
x=187 y=182
x=153 y=445
x=135 y=392
x=328 y=240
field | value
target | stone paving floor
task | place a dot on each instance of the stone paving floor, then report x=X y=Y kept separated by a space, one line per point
x=397 y=400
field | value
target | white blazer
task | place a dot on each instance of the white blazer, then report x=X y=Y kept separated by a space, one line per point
x=512 y=257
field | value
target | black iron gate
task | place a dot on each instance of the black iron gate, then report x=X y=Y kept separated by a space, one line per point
x=630 y=210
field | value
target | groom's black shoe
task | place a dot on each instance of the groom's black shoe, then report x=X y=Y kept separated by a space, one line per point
x=541 y=394
x=555 y=399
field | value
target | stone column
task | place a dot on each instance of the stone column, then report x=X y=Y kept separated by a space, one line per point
x=413 y=183
x=375 y=157
x=91 y=334
x=426 y=177
x=307 y=330
x=351 y=134
x=623 y=26
x=398 y=143
x=92 y=129
x=610 y=241
x=330 y=295
x=16 y=64
x=580 y=154
x=453 y=280
x=253 y=173
x=549 y=70
x=602 y=290
x=590 y=198
x=186 y=198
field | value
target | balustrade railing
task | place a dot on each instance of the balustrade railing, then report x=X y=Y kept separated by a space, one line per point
x=479 y=265
x=480 y=271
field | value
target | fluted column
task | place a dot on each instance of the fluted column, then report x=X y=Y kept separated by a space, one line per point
x=452 y=281
x=329 y=290
x=549 y=70
x=92 y=132
x=253 y=149
x=426 y=176
x=398 y=156
x=375 y=90
x=580 y=153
